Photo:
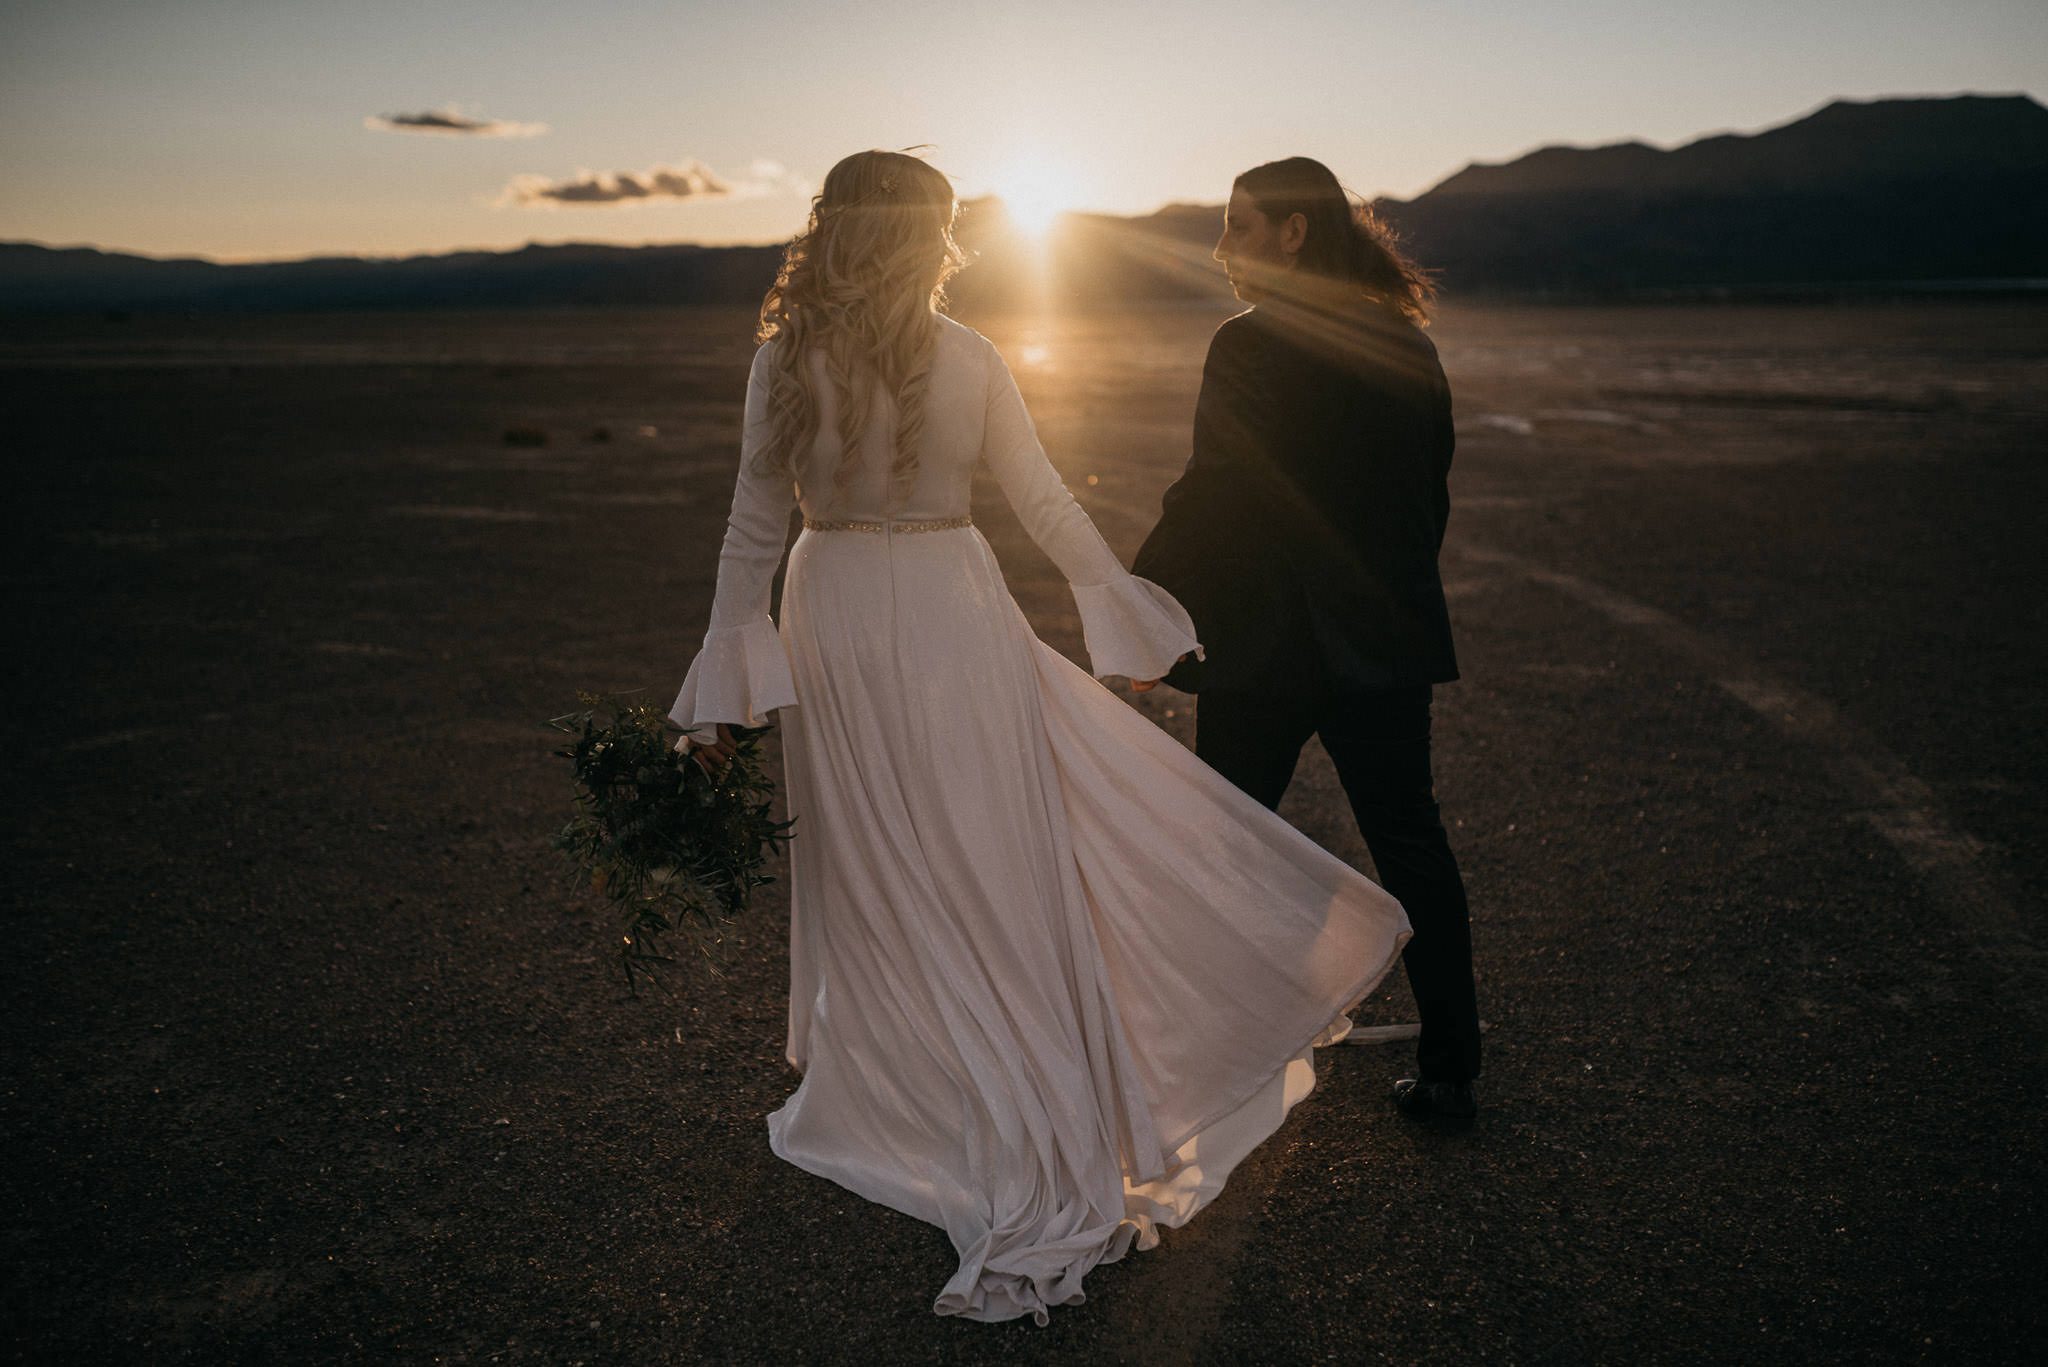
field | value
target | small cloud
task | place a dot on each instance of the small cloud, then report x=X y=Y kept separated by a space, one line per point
x=691 y=180
x=448 y=121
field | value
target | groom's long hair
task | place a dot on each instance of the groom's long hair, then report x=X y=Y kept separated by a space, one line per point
x=1347 y=243
x=860 y=285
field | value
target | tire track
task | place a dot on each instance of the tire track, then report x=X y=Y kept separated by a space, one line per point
x=1889 y=797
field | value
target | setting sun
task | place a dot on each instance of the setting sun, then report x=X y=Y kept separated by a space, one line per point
x=1034 y=195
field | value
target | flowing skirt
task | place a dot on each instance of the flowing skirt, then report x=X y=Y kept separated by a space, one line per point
x=1051 y=976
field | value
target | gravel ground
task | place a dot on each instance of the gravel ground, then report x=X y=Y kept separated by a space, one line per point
x=311 y=1056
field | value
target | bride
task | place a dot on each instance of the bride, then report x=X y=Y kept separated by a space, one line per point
x=1051 y=977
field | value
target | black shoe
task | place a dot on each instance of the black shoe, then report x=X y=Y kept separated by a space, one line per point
x=1431 y=1100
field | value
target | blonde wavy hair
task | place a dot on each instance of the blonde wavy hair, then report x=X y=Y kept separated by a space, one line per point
x=861 y=284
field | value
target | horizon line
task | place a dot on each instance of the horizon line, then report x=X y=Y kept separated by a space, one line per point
x=339 y=255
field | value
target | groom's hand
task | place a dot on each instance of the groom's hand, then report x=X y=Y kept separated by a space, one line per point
x=1147 y=685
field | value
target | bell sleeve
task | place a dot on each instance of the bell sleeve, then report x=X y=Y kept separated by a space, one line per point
x=1132 y=626
x=741 y=674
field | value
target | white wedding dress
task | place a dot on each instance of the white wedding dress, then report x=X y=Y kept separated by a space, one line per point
x=1051 y=977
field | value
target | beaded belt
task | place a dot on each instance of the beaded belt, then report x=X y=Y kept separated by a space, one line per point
x=943 y=524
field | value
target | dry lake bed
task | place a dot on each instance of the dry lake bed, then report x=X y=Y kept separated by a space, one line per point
x=312 y=1057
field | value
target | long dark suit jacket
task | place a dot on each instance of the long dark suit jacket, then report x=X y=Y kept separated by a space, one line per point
x=1303 y=535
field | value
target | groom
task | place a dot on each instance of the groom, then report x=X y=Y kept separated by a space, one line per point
x=1303 y=539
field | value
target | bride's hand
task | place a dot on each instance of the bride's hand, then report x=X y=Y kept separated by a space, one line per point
x=711 y=756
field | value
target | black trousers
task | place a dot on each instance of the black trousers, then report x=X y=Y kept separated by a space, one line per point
x=1379 y=742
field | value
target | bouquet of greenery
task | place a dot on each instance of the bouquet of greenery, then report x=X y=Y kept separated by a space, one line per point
x=675 y=848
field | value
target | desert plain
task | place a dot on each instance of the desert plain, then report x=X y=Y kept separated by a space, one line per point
x=313 y=1055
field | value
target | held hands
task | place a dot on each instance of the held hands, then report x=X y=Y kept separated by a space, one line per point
x=1147 y=685
x=711 y=756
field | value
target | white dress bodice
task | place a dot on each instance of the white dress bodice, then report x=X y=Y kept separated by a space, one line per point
x=973 y=415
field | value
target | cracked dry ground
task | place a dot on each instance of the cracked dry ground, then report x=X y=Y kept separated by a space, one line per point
x=311 y=1058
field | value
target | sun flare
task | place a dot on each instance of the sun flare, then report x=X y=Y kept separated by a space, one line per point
x=1034 y=195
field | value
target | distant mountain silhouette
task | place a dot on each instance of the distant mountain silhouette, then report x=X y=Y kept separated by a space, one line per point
x=1855 y=194
x=575 y=275
x=1891 y=190
x=1846 y=143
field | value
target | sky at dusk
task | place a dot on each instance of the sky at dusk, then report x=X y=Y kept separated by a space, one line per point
x=241 y=130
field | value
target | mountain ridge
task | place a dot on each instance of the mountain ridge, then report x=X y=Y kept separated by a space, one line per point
x=1899 y=136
